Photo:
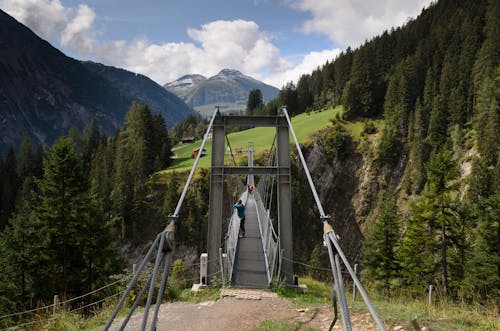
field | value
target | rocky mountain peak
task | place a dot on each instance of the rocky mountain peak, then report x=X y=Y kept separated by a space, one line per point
x=229 y=72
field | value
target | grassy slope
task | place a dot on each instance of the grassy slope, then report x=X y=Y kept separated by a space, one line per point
x=262 y=138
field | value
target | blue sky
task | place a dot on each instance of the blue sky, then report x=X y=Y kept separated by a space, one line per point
x=272 y=40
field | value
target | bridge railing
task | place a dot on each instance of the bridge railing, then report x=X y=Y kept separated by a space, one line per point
x=231 y=239
x=270 y=240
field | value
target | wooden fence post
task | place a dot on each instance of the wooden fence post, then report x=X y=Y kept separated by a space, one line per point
x=56 y=304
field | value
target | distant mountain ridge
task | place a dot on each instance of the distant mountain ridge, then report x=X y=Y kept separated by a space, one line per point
x=183 y=85
x=44 y=93
x=228 y=89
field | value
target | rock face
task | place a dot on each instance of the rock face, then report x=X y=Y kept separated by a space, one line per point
x=228 y=89
x=44 y=93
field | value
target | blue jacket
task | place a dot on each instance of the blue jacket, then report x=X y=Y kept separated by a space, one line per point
x=240 y=209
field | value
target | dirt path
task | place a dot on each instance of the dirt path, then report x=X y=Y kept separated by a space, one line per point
x=241 y=310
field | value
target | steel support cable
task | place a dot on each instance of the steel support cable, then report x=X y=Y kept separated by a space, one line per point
x=184 y=191
x=338 y=290
x=330 y=233
x=132 y=282
x=230 y=150
x=159 y=256
x=331 y=236
x=345 y=308
x=271 y=193
x=304 y=164
x=135 y=304
x=160 y=293
x=335 y=311
x=271 y=162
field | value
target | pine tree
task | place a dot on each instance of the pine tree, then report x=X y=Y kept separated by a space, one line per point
x=288 y=97
x=418 y=248
x=10 y=186
x=416 y=174
x=255 y=102
x=482 y=280
x=69 y=218
x=379 y=248
x=134 y=162
x=23 y=262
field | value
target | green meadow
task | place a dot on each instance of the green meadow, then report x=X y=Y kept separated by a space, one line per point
x=262 y=138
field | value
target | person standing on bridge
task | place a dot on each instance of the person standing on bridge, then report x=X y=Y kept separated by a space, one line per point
x=240 y=208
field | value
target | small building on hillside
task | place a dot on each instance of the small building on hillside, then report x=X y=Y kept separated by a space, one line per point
x=197 y=150
x=187 y=140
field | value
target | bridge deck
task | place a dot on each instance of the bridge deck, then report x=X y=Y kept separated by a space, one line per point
x=250 y=266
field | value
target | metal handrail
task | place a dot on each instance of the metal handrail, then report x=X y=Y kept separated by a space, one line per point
x=231 y=241
x=268 y=236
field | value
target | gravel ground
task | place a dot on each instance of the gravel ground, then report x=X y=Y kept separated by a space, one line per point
x=241 y=310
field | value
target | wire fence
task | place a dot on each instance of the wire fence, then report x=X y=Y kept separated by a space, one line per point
x=190 y=268
x=395 y=289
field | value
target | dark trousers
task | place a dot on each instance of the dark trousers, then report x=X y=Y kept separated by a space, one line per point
x=242 y=225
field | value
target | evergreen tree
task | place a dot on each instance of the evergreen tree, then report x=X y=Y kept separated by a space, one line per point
x=365 y=94
x=90 y=141
x=23 y=262
x=416 y=171
x=10 y=186
x=69 y=221
x=482 y=279
x=142 y=147
x=288 y=97
x=255 y=102
x=418 y=248
x=26 y=162
x=304 y=93
x=436 y=214
x=379 y=248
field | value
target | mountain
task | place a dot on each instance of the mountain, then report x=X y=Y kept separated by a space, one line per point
x=183 y=85
x=44 y=93
x=228 y=89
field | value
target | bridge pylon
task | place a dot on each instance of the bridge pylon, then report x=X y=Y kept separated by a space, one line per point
x=281 y=171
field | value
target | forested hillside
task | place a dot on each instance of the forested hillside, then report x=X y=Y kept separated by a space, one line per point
x=426 y=190
x=66 y=209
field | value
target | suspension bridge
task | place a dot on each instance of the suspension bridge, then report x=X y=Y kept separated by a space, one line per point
x=265 y=253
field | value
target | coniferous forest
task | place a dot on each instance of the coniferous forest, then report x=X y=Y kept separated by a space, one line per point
x=433 y=200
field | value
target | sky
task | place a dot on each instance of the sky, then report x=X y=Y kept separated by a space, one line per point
x=275 y=41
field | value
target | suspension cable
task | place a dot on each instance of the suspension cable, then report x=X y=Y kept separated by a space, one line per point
x=306 y=169
x=193 y=168
x=230 y=150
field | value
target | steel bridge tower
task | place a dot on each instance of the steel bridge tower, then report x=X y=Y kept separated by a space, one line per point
x=281 y=171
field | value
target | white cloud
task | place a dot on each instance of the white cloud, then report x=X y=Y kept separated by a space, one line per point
x=46 y=17
x=236 y=44
x=79 y=32
x=351 y=22
x=55 y=23
x=309 y=63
